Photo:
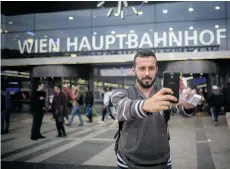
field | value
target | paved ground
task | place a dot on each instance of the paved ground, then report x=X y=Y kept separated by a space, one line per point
x=195 y=144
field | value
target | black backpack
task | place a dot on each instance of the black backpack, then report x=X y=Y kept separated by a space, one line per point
x=132 y=92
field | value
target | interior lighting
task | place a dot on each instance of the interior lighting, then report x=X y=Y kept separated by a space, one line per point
x=165 y=11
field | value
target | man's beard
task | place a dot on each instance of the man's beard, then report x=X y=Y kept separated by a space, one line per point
x=143 y=84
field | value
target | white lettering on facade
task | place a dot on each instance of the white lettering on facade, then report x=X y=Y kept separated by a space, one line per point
x=84 y=44
x=25 y=47
x=43 y=46
x=219 y=36
x=174 y=39
x=210 y=37
x=54 y=46
x=109 y=39
x=94 y=43
x=121 y=41
x=124 y=41
x=74 y=44
x=145 y=40
x=158 y=40
x=132 y=41
x=193 y=38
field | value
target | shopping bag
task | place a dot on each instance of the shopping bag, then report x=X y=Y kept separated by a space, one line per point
x=94 y=112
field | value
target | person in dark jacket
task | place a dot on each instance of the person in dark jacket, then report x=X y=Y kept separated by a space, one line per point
x=215 y=101
x=3 y=109
x=143 y=140
x=89 y=103
x=58 y=110
x=38 y=107
x=226 y=93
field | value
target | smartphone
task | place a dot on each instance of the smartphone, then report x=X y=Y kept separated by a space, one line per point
x=172 y=80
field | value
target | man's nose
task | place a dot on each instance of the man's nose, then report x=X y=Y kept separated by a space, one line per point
x=147 y=73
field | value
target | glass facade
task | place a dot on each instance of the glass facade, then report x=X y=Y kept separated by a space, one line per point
x=176 y=24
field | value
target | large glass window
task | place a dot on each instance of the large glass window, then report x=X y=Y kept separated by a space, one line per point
x=228 y=9
x=146 y=15
x=187 y=11
x=123 y=37
x=199 y=33
x=20 y=23
x=2 y=41
x=228 y=34
x=3 y=18
x=61 y=20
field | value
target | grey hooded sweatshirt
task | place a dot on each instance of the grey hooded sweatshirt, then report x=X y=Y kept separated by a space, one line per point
x=144 y=139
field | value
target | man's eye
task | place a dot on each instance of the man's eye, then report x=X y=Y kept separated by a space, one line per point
x=142 y=68
x=151 y=68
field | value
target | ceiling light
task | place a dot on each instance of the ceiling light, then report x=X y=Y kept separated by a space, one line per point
x=140 y=13
x=45 y=36
x=109 y=12
x=134 y=10
x=190 y=9
x=217 y=26
x=171 y=29
x=217 y=7
x=113 y=32
x=131 y=31
x=165 y=11
x=100 y=4
x=70 y=18
x=116 y=14
x=10 y=22
x=95 y=33
x=191 y=28
x=122 y=14
x=201 y=74
x=125 y=4
x=151 y=30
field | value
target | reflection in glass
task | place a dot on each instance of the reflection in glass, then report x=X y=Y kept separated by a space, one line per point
x=131 y=16
x=190 y=11
x=20 y=23
x=61 y=20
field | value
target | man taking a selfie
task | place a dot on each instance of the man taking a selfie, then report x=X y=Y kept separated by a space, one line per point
x=143 y=112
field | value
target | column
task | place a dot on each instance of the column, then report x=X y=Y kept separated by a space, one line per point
x=91 y=79
x=210 y=83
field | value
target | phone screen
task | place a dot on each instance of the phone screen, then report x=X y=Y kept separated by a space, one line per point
x=172 y=80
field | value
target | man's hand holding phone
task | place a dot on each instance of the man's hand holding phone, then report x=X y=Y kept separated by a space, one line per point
x=188 y=97
x=160 y=101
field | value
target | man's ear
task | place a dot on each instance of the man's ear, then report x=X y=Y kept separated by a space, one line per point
x=133 y=69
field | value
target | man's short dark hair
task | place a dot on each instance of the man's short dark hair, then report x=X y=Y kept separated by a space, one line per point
x=57 y=85
x=143 y=53
x=40 y=83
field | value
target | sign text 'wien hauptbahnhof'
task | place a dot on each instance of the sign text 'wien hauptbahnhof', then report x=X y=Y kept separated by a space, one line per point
x=123 y=41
